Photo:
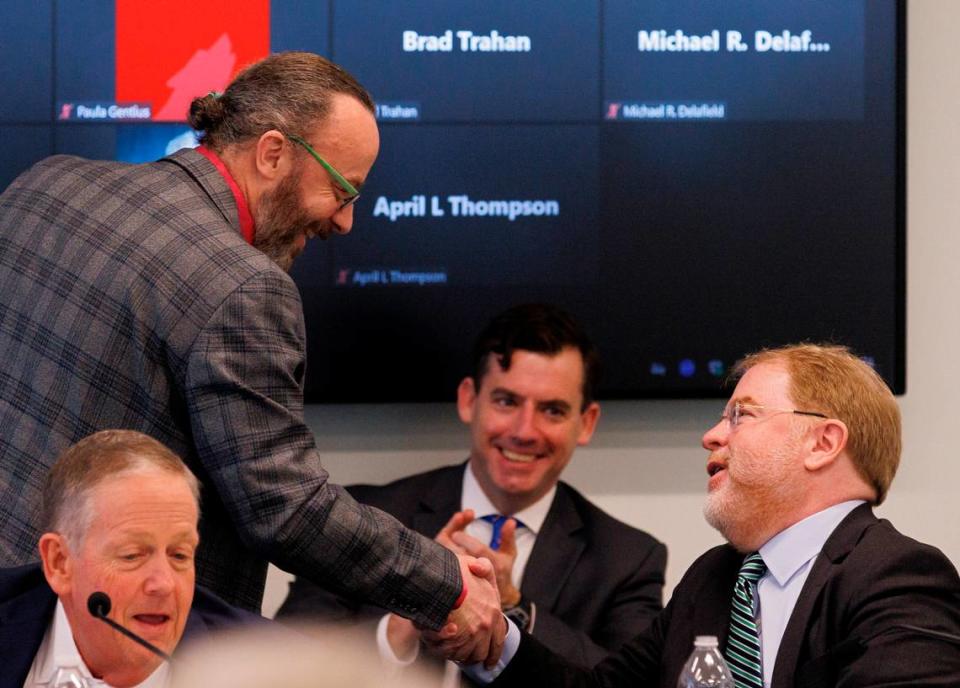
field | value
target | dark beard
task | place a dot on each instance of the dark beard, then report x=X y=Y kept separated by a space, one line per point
x=281 y=220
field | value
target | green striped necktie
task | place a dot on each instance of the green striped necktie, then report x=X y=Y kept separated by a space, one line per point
x=743 y=642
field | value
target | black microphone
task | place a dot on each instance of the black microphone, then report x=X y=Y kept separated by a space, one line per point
x=98 y=604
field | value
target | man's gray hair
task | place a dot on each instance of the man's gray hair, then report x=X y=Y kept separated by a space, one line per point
x=66 y=507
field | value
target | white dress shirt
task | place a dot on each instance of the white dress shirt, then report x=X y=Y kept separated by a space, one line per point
x=473 y=497
x=59 y=650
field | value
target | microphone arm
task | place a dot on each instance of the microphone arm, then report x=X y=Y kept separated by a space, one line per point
x=98 y=604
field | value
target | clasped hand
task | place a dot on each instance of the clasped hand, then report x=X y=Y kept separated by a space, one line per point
x=475 y=631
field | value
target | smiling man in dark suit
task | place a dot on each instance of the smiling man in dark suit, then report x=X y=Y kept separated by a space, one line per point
x=577 y=579
x=812 y=589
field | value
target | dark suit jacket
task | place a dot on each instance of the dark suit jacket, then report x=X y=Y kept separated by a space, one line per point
x=878 y=609
x=596 y=581
x=27 y=604
x=130 y=300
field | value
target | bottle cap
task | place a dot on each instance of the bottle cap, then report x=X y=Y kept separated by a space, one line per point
x=706 y=641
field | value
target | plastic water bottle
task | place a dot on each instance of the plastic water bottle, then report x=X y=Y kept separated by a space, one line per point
x=706 y=667
x=68 y=677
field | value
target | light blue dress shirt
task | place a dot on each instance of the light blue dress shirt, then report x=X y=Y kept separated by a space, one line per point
x=789 y=556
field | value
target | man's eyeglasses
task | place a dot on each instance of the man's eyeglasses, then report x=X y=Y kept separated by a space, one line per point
x=737 y=411
x=352 y=192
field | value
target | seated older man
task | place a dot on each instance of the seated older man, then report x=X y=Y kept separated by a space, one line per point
x=120 y=515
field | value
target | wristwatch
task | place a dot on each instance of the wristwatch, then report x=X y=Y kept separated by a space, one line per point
x=523 y=614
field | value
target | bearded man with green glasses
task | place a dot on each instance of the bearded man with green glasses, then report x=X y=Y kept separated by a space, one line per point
x=155 y=297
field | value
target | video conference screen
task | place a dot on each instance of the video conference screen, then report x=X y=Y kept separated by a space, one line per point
x=692 y=179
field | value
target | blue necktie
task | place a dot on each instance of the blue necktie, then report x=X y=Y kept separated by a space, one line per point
x=497 y=521
x=743 y=643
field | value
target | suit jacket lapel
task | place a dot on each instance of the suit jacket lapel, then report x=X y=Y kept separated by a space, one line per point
x=843 y=539
x=23 y=622
x=437 y=506
x=195 y=627
x=711 y=614
x=556 y=552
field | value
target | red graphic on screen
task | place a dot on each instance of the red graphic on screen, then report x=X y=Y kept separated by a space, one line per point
x=171 y=51
x=207 y=70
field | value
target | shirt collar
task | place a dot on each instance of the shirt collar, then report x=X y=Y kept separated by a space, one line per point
x=59 y=649
x=473 y=497
x=789 y=550
x=247 y=227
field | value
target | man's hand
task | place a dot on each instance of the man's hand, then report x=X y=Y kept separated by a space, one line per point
x=475 y=632
x=456 y=524
x=502 y=558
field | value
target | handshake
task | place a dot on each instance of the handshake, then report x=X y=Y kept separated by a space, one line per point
x=475 y=630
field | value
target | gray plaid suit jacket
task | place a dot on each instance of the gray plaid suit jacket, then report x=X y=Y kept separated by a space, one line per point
x=129 y=299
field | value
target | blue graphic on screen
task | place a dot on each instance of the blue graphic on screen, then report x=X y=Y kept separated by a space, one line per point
x=145 y=144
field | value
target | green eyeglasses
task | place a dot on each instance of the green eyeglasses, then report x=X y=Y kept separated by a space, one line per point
x=352 y=192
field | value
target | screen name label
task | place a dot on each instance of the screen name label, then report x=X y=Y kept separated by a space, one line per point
x=660 y=40
x=464 y=206
x=466 y=42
